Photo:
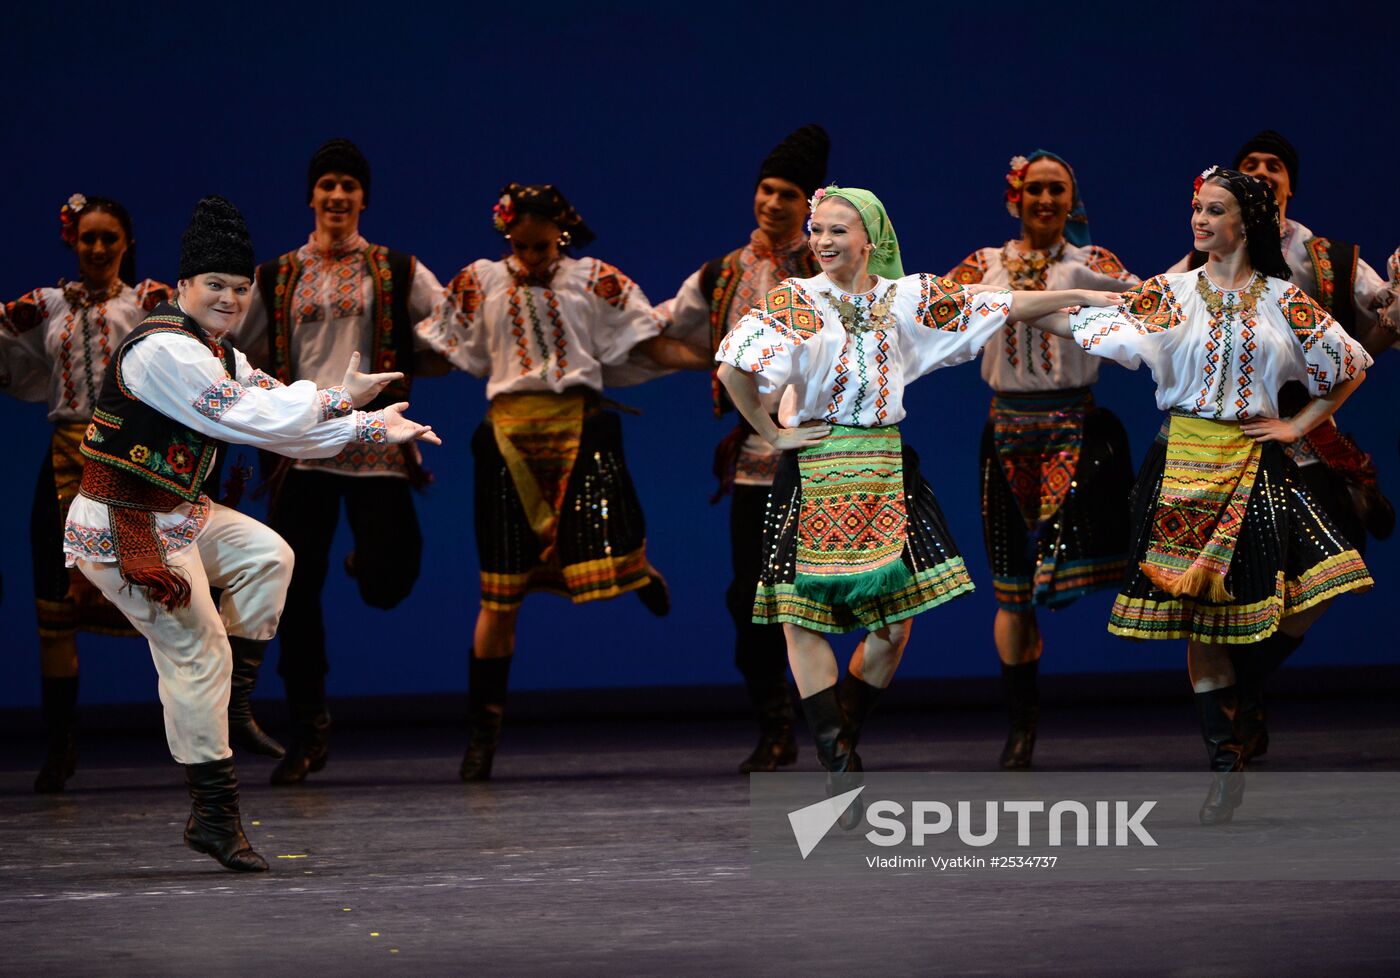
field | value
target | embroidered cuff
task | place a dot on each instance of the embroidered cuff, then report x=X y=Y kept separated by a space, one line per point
x=370 y=427
x=218 y=398
x=266 y=381
x=335 y=402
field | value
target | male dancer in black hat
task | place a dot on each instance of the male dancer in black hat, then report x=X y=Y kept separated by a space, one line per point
x=708 y=305
x=312 y=307
x=143 y=530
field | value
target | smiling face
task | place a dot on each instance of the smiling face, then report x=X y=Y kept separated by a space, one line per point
x=100 y=246
x=337 y=200
x=780 y=207
x=534 y=242
x=215 y=300
x=1270 y=169
x=839 y=240
x=1217 y=226
x=1046 y=199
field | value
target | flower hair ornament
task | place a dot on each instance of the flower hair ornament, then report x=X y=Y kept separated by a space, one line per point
x=68 y=219
x=1015 y=180
x=1199 y=182
x=503 y=213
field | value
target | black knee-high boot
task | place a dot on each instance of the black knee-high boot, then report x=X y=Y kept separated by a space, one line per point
x=243 y=727
x=60 y=701
x=487 y=682
x=1217 y=709
x=1253 y=666
x=857 y=698
x=311 y=728
x=842 y=763
x=777 y=747
x=214 y=826
x=1021 y=689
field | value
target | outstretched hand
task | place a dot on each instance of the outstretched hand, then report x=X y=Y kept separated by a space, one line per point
x=401 y=430
x=1284 y=430
x=1096 y=297
x=364 y=388
x=804 y=437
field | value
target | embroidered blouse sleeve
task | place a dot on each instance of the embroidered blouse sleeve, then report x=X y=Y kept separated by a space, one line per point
x=1134 y=331
x=941 y=323
x=455 y=328
x=25 y=366
x=770 y=342
x=178 y=376
x=151 y=293
x=423 y=296
x=970 y=270
x=623 y=312
x=1330 y=355
x=1103 y=270
x=686 y=316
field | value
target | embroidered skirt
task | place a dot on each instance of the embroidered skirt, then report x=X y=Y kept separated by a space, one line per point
x=1287 y=557
x=597 y=545
x=933 y=570
x=1056 y=474
x=64 y=601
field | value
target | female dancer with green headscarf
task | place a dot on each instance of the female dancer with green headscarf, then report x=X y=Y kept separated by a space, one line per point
x=854 y=536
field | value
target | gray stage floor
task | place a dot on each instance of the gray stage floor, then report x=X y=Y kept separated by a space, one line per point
x=621 y=848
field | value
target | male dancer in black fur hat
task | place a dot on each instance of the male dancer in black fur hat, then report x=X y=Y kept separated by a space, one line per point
x=708 y=305
x=312 y=307
x=147 y=535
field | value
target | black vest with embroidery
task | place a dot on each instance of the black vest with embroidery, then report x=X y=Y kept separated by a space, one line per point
x=391 y=346
x=719 y=283
x=134 y=438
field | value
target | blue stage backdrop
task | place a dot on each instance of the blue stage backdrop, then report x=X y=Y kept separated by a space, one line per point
x=653 y=119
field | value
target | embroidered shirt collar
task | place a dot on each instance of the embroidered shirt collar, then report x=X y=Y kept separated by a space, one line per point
x=79 y=296
x=763 y=248
x=353 y=245
x=542 y=278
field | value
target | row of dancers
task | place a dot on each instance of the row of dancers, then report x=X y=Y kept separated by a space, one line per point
x=1248 y=517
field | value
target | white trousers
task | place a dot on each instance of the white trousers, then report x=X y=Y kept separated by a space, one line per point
x=253 y=566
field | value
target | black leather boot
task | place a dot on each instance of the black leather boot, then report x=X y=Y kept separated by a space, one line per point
x=311 y=722
x=842 y=764
x=243 y=729
x=857 y=698
x=487 y=682
x=60 y=700
x=656 y=594
x=1020 y=688
x=1253 y=666
x=214 y=827
x=777 y=747
x=1217 y=709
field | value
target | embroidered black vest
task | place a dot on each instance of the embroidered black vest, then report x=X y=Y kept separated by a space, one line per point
x=392 y=342
x=719 y=283
x=1334 y=273
x=135 y=439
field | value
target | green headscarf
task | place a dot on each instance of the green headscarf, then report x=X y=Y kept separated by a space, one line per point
x=884 y=260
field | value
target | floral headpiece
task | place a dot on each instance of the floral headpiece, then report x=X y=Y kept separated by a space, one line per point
x=68 y=219
x=1015 y=180
x=1199 y=182
x=503 y=213
x=816 y=199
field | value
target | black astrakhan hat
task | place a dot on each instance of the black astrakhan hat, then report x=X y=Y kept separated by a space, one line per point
x=1269 y=141
x=338 y=156
x=800 y=158
x=216 y=241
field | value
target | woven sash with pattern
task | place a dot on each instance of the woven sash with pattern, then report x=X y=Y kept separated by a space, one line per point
x=132 y=503
x=1210 y=471
x=1038 y=438
x=538 y=436
x=851 y=529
